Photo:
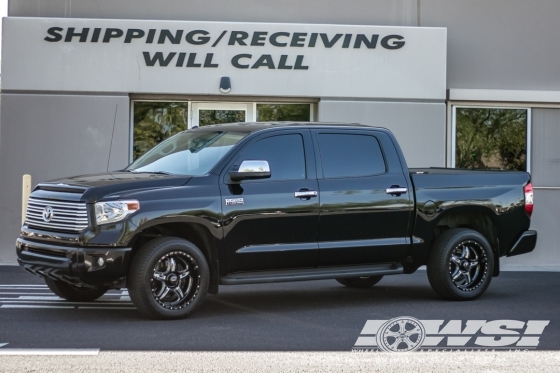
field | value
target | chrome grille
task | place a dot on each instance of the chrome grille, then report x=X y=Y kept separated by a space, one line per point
x=66 y=215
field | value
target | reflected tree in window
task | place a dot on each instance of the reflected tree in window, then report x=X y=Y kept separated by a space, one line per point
x=491 y=138
x=283 y=112
x=208 y=117
x=155 y=122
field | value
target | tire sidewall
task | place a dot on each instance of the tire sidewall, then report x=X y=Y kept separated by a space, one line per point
x=204 y=276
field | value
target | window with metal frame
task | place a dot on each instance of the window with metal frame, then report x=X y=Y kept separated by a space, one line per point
x=491 y=138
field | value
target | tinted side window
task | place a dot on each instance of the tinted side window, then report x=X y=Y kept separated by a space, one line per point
x=349 y=155
x=284 y=154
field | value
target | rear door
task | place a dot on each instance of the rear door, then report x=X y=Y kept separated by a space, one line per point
x=269 y=226
x=360 y=220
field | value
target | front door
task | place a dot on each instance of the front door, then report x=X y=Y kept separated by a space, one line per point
x=267 y=224
x=206 y=113
x=359 y=222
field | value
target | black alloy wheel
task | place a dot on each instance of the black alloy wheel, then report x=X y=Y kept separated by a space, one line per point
x=360 y=282
x=74 y=293
x=460 y=264
x=168 y=278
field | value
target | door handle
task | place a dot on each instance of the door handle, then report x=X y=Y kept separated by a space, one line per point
x=306 y=194
x=396 y=190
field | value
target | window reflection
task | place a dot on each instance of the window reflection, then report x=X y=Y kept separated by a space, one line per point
x=155 y=122
x=283 y=112
x=489 y=138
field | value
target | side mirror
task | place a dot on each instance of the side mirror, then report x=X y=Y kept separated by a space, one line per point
x=251 y=170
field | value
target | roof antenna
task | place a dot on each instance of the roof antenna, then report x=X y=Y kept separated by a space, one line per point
x=112 y=135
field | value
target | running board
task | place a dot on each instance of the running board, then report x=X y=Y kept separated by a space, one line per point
x=306 y=274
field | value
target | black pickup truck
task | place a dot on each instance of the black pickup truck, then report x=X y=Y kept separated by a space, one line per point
x=253 y=203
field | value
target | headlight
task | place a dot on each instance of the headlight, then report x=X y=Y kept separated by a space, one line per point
x=110 y=212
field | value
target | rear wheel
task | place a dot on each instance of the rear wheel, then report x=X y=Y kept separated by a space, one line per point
x=360 y=282
x=74 y=293
x=460 y=264
x=168 y=278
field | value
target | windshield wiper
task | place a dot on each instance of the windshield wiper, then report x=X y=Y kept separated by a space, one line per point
x=151 y=172
x=160 y=172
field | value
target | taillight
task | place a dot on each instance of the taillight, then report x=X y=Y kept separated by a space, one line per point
x=528 y=189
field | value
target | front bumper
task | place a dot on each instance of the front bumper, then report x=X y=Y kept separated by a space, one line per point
x=74 y=265
x=525 y=244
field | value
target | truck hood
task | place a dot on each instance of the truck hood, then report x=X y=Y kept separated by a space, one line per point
x=94 y=187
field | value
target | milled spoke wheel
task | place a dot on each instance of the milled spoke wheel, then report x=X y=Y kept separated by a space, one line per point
x=468 y=265
x=175 y=280
x=460 y=264
x=168 y=278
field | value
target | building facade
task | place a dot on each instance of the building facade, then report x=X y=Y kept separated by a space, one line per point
x=88 y=86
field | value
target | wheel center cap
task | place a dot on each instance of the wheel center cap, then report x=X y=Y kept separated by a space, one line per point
x=465 y=264
x=172 y=278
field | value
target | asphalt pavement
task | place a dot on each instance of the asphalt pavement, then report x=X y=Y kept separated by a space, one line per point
x=298 y=316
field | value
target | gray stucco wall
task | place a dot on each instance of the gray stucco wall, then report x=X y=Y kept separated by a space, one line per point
x=498 y=44
x=545 y=221
x=52 y=136
x=356 y=12
x=545 y=166
x=418 y=127
x=545 y=160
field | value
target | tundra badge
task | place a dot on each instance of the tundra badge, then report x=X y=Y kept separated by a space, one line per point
x=234 y=201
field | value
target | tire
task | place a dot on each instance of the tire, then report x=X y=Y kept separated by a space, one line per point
x=451 y=267
x=360 y=282
x=168 y=278
x=73 y=293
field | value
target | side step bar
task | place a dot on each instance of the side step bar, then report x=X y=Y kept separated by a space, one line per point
x=305 y=274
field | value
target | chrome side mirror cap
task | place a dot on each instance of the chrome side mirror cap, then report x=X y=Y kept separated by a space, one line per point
x=251 y=169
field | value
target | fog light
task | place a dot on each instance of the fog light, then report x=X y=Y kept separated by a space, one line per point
x=101 y=261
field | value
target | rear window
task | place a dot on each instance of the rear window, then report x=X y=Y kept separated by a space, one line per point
x=350 y=155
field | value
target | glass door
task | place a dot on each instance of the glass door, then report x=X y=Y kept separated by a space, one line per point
x=207 y=113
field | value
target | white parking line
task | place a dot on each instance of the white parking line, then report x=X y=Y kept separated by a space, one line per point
x=49 y=351
x=58 y=300
x=63 y=302
x=23 y=288
x=18 y=293
x=31 y=306
x=33 y=297
x=106 y=308
x=20 y=296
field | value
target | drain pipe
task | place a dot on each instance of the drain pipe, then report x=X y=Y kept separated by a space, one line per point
x=25 y=192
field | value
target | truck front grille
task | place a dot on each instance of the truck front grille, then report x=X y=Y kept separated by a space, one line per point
x=55 y=215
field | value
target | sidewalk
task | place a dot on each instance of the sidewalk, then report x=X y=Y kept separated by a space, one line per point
x=272 y=362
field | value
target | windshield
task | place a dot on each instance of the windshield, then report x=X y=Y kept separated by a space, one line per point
x=187 y=153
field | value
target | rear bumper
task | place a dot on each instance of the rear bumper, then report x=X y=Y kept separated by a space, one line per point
x=75 y=265
x=525 y=244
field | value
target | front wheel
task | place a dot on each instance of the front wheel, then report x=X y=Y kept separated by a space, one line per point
x=359 y=282
x=168 y=278
x=460 y=264
x=74 y=293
